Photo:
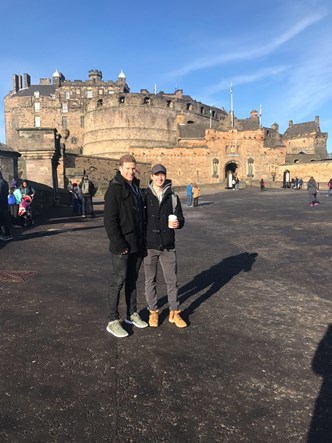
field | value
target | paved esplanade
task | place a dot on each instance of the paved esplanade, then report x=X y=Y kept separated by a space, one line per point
x=254 y=365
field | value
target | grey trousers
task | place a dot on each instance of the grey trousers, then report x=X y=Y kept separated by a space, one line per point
x=169 y=267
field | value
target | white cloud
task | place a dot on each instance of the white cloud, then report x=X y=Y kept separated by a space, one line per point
x=248 y=54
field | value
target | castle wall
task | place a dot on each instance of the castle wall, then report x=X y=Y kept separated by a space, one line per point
x=320 y=170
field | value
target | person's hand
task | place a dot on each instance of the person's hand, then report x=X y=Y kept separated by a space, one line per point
x=125 y=252
x=174 y=224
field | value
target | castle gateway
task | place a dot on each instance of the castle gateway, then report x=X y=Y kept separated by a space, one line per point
x=56 y=118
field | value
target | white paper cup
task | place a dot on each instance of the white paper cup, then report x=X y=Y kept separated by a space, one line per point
x=171 y=218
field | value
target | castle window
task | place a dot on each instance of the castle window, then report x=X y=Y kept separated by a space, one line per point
x=122 y=99
x=37 y=122
x=202 y=109
x=250 y=167
x=36 y=94
x=67 y=95
x=64 y=123
x=89 y=93
x=64 y=107
x=100 y=91
x=82 y=121
x=169 y=104
x=100 y=103
x=37 y=107
x=189 y=107
x=190 y=122
x=147 y=101
x=215 y=168
x=74 y=140
x=213 y=113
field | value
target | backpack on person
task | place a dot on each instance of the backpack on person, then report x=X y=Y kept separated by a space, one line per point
x=85 y=187
x=11 y=200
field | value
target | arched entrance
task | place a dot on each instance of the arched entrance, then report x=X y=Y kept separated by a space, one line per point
x=286 y=180
x=230 y=173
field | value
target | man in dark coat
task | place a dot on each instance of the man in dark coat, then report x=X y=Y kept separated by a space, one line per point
x=161 y=205
x=5 y=229
x=123 y=219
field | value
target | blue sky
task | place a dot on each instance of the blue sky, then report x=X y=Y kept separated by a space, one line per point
x=276 y=53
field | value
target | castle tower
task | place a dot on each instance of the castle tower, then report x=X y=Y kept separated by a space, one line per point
x=58 y=78
x=95 y=75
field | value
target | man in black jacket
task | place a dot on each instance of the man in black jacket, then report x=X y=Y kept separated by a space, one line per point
x=123 y=219
x=160 y=203
x=5 y=229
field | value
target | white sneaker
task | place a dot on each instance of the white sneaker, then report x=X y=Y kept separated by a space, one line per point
x=115 y=328
x=136 y=320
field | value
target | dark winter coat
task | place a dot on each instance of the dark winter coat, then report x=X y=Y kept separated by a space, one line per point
x=4 y=189
x=123 y=216
x=157 y=233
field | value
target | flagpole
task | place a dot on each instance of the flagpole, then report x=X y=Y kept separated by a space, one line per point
x=260 y=115
x=232 y=110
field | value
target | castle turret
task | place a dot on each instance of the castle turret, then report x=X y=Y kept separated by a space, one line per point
x=95 y=75
x=58 y=78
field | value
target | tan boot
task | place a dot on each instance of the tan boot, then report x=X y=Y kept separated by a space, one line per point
x=153 y=319
x=175 y=317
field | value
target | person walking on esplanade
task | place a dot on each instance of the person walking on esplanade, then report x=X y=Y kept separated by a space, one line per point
x=196 y=194
x=312 y=192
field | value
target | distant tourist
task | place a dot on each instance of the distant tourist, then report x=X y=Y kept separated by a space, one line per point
x=87 y=189
x=189 y=190
x=312 y=192
x=329 y=185
x=196 y=194
x=262 y=185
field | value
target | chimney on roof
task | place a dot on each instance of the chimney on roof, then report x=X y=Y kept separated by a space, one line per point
x=15 y=83
x=317 y=119
x=275 y=126
x=27 y=81
x=254 y=114
x=290 y=123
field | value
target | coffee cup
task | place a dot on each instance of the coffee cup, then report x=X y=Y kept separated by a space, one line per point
x=171 y=218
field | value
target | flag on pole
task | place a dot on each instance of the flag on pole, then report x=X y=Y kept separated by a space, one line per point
x=260 y=110
x=231 y=89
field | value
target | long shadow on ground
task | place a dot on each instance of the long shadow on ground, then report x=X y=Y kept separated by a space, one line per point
x=212 y=280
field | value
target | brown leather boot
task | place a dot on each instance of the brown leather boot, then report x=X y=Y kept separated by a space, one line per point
x=175 y=317
x=154 y=319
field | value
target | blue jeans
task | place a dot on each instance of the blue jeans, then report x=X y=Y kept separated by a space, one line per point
x=189 y=200
x=125 y=273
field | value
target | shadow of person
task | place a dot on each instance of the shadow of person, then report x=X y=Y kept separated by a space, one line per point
x=321 y=424
x=214 y=278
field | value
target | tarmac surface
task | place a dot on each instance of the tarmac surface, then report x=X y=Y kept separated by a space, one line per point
x=254 y=364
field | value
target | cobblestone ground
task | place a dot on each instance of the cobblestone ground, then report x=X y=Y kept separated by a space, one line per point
x=254 y=365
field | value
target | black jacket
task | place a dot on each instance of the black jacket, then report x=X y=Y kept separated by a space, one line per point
x=123 y=216
x=158 y=234
x=4 y=189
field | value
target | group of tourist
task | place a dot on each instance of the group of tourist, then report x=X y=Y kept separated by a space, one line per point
x=140 y=225
x=193 y=194
x=15 y=206
x=82 y=194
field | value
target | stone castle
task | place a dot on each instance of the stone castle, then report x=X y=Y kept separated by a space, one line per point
x=59 y=125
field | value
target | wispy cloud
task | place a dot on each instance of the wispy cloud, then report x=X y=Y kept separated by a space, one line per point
x=249 y=78
x=248 y=54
